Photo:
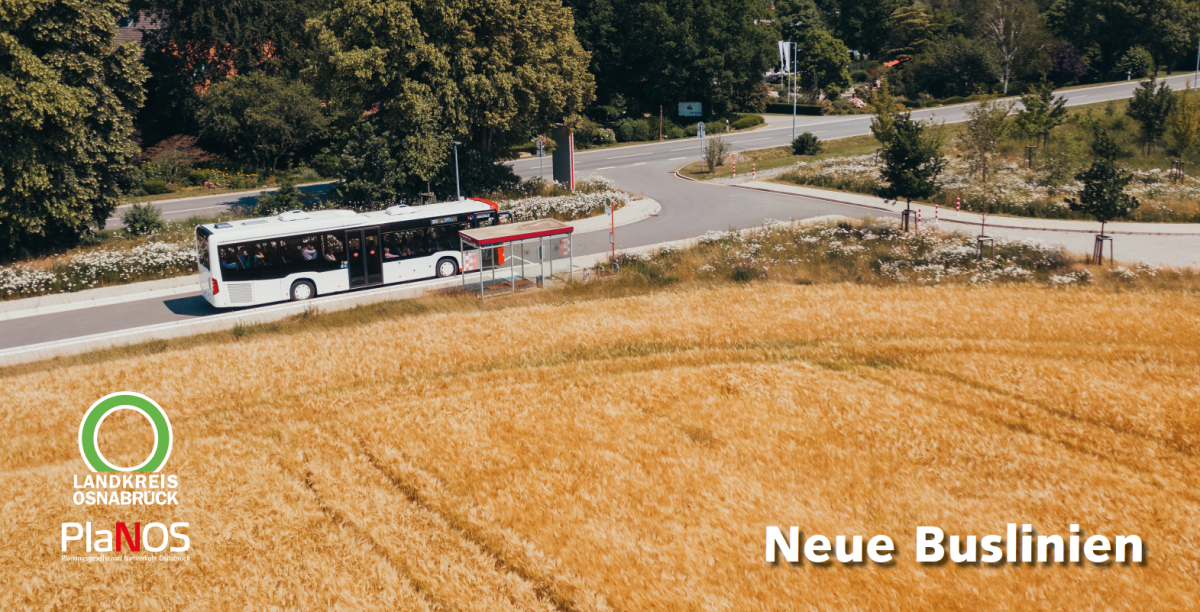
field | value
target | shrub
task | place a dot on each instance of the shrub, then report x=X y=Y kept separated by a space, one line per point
x=1137 y=62
x=605 y=136
x=156 y=187
x=143 y=219
x=806 y=144
x=748 y=121
x=860 y=76
x=636 y=130
x=715 y=150
x=955 y=100
x=673 y=131
x=286 y=198
x=712 y=128
x=197 y=177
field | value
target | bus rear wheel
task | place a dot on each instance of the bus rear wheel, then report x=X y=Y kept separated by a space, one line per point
x=303 y=290
x=446 y=267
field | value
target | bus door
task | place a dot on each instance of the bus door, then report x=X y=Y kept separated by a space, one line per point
x=363 y=257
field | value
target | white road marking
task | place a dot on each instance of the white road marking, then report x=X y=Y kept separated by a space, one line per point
x=683 y=149
x=634 y=155
x=640 y=164
x=606 y=168
x=676 y=158
x=752 y=140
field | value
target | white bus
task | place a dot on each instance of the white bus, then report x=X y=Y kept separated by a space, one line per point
x=299 y=255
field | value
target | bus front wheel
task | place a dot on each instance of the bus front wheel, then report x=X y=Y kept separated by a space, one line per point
x=303 y=290
x=446 y=267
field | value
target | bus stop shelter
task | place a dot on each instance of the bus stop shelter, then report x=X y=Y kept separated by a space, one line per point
x=505 y=259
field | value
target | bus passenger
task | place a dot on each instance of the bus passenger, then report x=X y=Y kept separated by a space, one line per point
x=387 y=253
x=309 y=252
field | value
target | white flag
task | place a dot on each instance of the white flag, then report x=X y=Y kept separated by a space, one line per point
x=785 y=56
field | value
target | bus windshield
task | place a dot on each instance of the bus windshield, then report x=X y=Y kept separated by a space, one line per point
x=202 y=247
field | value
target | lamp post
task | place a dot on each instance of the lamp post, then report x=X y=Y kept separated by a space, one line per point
x=457 y=189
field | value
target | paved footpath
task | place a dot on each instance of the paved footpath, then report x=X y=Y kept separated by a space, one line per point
x=1171 y=244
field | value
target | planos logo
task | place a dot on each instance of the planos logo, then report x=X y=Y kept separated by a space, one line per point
x=137 y=486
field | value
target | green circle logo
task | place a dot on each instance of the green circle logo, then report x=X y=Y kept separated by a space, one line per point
x=89 y=429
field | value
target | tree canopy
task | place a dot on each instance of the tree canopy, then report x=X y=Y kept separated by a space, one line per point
x=912 y=161
x=261 y=118
x=427 y=74
x=826 y=59
x=1103 y=195
x=67 y=99
x=1151 y=105
x=659 y=52
x=196 y=44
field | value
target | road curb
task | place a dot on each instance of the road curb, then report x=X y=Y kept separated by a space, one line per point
x=102 y=296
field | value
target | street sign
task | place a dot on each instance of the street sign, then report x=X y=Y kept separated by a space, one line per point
x=691 y=109
x=607 y=208
x=541 y=146
x=700 y=129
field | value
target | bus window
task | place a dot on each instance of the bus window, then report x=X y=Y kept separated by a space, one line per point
x=235 y=264
x=392 y=245
x=333 y=253
x=268 y=264
x=306 y=251
x=415 y=243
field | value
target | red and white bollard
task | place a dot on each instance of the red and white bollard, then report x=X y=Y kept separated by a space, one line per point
x=734 y=169
x=936 y=209
x=918 y=217
x=753 y=171
x=957 y=206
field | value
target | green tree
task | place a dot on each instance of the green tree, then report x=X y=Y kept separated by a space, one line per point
x=1151 y=106
x=656 y=52
x=1014 y=29
x=884 y=123
x=1103 y=195
x=866 y=25
x=195 y=44
x=1040 y=110
x=986 y=124
x=67 y=99
x=287 y=197
x=797 y=18
x=824 y=57
x=371 y=177
x=953 y=66
x=912 y=31
x=1136 y=63
x=1184 y=123
x=261 y=119
x=912 y=161
x=487 y=73
x=1104 y=30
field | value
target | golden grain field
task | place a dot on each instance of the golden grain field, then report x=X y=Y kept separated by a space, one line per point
x=627 y=454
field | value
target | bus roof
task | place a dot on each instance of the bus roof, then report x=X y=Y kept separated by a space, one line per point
x=298 y=222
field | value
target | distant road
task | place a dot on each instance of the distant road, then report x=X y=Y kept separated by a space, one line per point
x=211 y=206
x=689 y=209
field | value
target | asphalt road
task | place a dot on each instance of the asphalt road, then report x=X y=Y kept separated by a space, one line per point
x=689 y=209
x=210 y=206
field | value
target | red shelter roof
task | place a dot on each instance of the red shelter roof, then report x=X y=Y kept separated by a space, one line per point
x=513 y=232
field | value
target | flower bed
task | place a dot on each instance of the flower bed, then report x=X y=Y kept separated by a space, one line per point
x=872 y=251
x=153 y=261
x=588 y=200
